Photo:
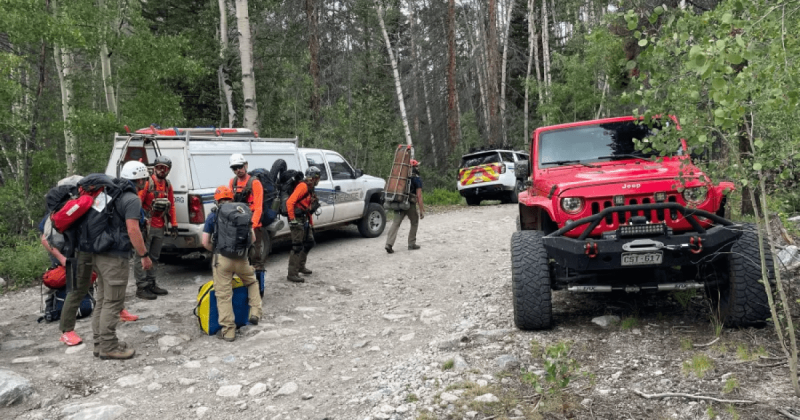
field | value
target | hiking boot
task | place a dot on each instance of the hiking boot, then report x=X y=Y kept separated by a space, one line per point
x=126 y=316
x=121 y=352
x=229 y=337
x=295 y=278
x=413 y=247
x=145 y=294
x=157 y=290
x=304 y=270
x=70 y=338
x=389 y=249
x=96 y=351
x=253 y=320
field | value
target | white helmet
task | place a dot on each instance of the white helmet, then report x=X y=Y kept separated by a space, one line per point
x=134 y=170
x=237 y=159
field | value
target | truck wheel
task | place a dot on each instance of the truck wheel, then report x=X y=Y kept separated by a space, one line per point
x=373 y=223
x=530 y=281
x=473 y=201
x=743 y=299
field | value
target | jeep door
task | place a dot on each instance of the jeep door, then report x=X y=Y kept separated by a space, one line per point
x=348 y=191
x=324 y=189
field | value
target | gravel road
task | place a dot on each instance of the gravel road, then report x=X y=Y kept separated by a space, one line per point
x=422 y=334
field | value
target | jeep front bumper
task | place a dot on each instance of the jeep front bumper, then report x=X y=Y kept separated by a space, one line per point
x=642 y=245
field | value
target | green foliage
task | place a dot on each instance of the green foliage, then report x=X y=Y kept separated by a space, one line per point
x=559 y=369
x=447 y=365
x=629 y=323
x=731 y=384
x=683 y=297
x=686 y=344
x=442 y=197
x=23 y=262
x=699 y=364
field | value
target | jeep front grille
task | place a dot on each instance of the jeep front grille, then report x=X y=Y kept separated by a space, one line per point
x=614 y=220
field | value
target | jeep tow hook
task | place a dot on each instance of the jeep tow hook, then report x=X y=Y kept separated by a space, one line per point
x=696 y=244
x=590 y=248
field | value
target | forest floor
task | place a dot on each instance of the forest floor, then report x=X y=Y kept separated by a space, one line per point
x=425 y=334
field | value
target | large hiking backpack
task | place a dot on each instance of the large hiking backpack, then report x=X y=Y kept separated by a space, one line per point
x=232 y=230
x=102 y=230
x=288 y=182
x=54 y=303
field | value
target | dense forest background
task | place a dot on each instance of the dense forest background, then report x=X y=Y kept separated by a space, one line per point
x=456 y=75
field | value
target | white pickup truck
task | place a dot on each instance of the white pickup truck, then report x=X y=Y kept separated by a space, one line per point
x=200 y=164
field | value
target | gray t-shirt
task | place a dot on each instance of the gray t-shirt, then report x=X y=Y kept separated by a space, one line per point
x=128 y=207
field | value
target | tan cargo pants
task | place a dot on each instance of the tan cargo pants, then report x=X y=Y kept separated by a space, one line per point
x=224 y=269
x=413 y=217
x=112 y=280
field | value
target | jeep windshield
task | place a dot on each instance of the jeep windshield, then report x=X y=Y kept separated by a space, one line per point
x=592 y=143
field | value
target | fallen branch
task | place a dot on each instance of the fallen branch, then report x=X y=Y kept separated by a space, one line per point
x=772 y=365
x=787 y=414
x=707 y=344
x=690 y=396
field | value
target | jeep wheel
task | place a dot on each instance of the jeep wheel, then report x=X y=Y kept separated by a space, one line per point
x=530 y=281
x=373 y=222
x=473 y=201
x=742 y=298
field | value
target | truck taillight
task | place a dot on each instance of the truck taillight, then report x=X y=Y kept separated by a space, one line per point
x=196 y=212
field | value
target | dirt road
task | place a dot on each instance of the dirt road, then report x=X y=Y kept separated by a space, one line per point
x=417 y=334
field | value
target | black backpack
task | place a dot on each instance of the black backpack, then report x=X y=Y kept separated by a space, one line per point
x=231 y=235
x=55 y=199
x=288 y=182
x=54 y=303
x=105 y=231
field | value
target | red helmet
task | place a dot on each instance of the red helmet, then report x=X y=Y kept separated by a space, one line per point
x=223 y=192
x=414 y=162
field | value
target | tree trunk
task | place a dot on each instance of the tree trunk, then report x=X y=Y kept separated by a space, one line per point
x=452 y=112
x=396 y=74
x=491 y=83
x=503 y=74
x=105 y=67
x=222 y=71
x=478 y=59
x=313 y=49
x=63 y=61
x=414 y=65
x=248 y=74
x=531 y=45
x=545 y=52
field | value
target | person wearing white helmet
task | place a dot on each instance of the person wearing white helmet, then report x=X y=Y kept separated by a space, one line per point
x=109 y=234
x=248 y=189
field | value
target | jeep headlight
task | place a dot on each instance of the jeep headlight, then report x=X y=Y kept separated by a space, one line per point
x=572 y=205
x=695 y=195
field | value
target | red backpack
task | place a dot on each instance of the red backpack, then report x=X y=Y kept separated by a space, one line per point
x=71 y=211
x=56 y=277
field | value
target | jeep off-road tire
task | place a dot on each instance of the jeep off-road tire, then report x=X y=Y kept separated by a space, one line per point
x=743 y=299
x=530 y=281
x=374 y=221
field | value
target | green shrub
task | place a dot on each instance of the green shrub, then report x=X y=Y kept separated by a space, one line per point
x=442 y=197
x=24 y=262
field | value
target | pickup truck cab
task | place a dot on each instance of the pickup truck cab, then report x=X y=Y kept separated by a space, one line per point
x=598 y=215
x=200 y=164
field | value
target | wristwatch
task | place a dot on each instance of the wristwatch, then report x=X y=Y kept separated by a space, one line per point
x=146 y=254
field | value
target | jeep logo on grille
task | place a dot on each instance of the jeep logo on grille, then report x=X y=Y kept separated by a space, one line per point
x=630 y=186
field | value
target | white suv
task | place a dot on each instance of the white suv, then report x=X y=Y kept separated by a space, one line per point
x=200 y=164
x=489 y=175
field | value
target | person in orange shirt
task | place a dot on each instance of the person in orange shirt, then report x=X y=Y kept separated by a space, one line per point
x=247 y=189
x=158 y=202
x=301 y=206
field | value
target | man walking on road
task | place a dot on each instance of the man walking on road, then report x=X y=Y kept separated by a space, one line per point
x=247 y=189
x=300 y=207
x=110 y=231
x=158 y=201
x=415 y=197
x=224 y=268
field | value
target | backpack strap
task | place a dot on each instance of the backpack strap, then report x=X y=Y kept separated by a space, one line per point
x=247 y=190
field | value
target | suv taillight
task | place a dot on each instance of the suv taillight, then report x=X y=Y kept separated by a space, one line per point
x=502 y=168
x=196 y=212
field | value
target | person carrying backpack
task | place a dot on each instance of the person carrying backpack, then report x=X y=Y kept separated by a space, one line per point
x=247 y=189
x=415 y=198
x=300 y=208
x=110 y=231
x=228 y=233
x=158 y=202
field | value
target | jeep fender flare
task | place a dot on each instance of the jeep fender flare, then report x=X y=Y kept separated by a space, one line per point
x=536 y=213
x=374 y=195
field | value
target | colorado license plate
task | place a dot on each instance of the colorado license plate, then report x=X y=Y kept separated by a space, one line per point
x=635 y=258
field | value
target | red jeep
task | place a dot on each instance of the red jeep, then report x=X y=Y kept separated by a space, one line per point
x=597 y=215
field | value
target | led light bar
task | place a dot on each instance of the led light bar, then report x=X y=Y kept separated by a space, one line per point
x=642 y=230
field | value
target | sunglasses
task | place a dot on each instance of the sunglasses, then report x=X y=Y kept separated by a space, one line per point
x=237 y=167
x=162 y=167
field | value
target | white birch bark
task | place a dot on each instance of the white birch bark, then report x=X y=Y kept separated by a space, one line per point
x=531 y=42
x=503 y=67
x=248 y=74
x=480 y=70
x=396 y=74
x=545 y=51
x=430 y=119
x=105 y=67
x=412 y=18
x=63 y=61
x=222 y=72
x=19 y=115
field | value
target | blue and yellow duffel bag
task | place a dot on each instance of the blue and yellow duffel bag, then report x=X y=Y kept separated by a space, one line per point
x=206 y=309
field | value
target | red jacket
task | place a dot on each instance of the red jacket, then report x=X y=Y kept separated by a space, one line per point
x=161 y=190
x=301 y=199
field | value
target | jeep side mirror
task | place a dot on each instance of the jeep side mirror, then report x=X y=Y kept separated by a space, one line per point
x=521 y=170
x=359 y=173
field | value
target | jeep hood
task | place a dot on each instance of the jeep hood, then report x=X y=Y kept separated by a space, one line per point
x=577 y=176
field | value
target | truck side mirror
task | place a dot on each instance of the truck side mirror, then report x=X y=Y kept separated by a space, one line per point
x=521 y=170
x=359 y=173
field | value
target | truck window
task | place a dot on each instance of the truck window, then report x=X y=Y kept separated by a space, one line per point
x=340 y=169
x=315 y=159
x=507 y=156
